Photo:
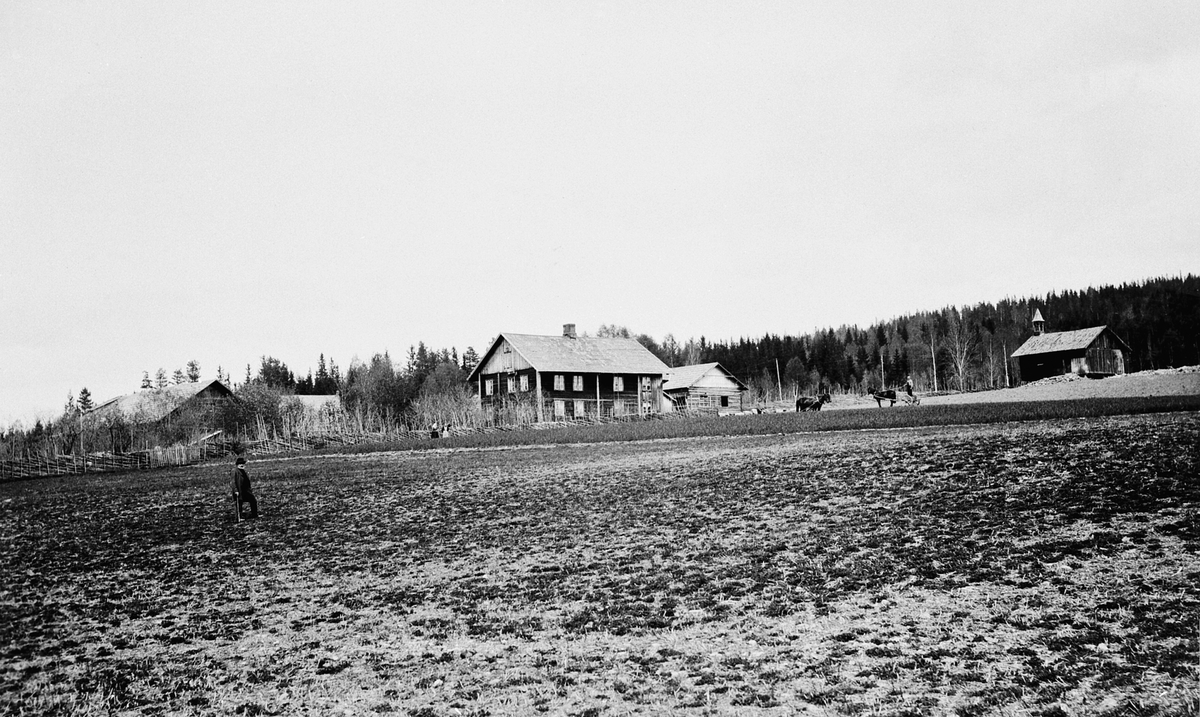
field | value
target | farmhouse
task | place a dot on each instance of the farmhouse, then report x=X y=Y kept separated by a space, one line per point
x=155 y=405
x=704 y=386
x=1096 y=351
x=525 y=377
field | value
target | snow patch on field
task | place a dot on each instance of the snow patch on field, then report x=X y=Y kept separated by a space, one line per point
x=1182 y=381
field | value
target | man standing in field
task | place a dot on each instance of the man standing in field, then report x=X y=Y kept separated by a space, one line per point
x=241 y=487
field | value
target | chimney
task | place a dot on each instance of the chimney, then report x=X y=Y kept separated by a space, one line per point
x=569 y=331
x=1039 y=324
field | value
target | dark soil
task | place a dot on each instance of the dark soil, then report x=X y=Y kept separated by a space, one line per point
x=1028 y=566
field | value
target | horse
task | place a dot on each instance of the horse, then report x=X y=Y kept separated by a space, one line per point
x=892 y=395
x=881 y=396
x=811 y=403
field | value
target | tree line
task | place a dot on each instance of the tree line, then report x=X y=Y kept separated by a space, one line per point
x=429 y=385
x=953 y=348
x=957 y=348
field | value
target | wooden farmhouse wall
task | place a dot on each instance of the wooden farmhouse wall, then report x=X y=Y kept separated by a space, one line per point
x=1103 y=356
x=714 y=397
x=713 y=390
x=506 y=359
x=570 y=395
x=514 y=391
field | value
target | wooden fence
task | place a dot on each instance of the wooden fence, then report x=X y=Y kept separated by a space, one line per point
x=215 y=445
x=36 y=466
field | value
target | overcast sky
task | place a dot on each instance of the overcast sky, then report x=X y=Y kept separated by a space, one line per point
x=222 y=181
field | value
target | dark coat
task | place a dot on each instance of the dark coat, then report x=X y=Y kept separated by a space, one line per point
x=241 y=481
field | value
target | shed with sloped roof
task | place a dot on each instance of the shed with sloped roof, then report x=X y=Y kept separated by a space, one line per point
x=705 y=386
x=526 y=377
x=1095 y=351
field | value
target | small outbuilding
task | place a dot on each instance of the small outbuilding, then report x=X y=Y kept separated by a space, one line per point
x=1095 y=351
x=705 y=386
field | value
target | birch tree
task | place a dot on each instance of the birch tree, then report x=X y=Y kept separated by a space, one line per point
x=961 y=341
x=931 y=336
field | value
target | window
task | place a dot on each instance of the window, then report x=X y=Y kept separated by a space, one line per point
x=560 y=408
x=524 y=382
x=577 y=383
x=580 y=410
x=489 y=386
x=724 y=401
x=618 y=383
x=559 y=383
x=510 y=384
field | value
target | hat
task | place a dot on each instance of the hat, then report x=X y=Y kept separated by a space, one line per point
x=241 y=461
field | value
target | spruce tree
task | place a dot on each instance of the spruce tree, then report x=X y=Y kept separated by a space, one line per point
x=470 y=359
x=85 y=399
x=335 y=376
x=274 y=372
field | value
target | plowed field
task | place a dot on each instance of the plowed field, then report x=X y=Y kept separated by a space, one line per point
x=1036 y=568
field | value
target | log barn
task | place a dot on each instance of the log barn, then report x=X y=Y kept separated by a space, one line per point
x=1095 y=351
x=154 y=405
x=186 y=406
x=705 y=386
x=528 y=377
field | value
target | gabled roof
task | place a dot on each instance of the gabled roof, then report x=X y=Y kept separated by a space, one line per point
x=1063 y=341
x=578 y=355
x=682 y=377
x=150 y=405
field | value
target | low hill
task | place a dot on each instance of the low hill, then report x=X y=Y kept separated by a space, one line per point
x=1183 y=381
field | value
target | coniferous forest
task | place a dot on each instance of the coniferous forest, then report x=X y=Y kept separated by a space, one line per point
x=950 y=349
x=969 y=346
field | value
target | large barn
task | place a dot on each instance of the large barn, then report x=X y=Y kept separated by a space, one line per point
x=706 y=386
x=532 y=377
x=154 y=405
x=1095 y=351
x=161 y=414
